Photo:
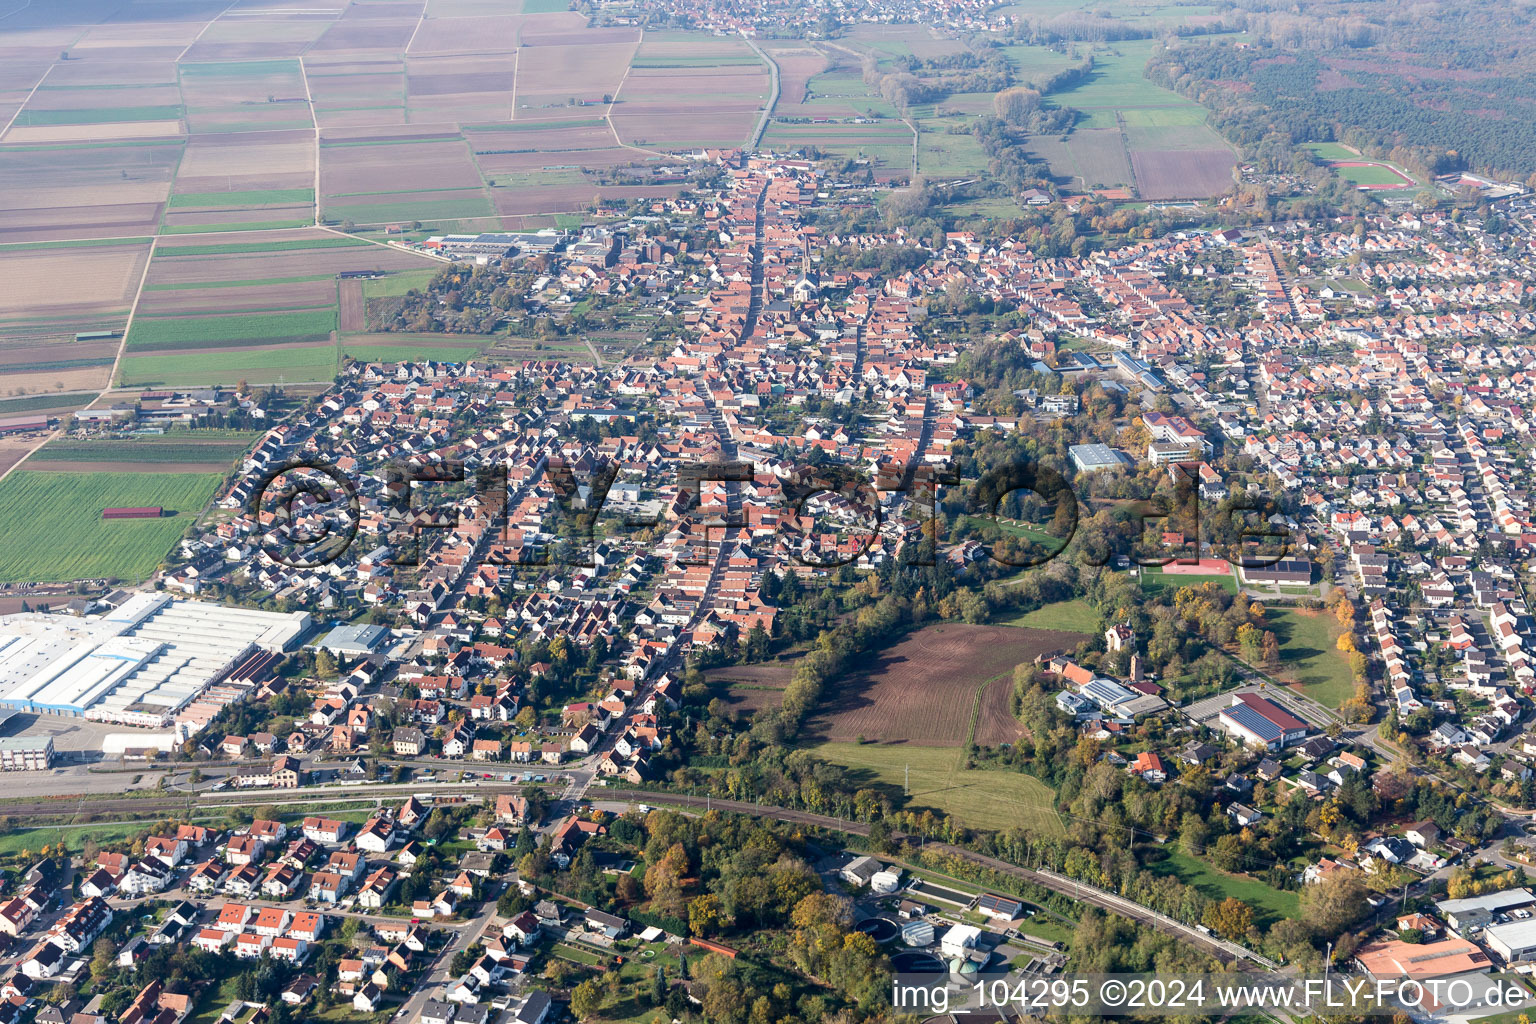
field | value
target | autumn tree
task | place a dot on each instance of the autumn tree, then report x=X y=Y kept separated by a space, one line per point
x=1231 y=918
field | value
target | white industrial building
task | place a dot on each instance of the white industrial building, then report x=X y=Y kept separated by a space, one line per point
x=138 y=664
x=1514 y=941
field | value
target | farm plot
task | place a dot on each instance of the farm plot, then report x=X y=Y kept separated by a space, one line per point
x=1088 y=159
x=797 y=66
x=68 y=192
x=554 y=81
x=459 y=89
x=54 y=529
x=244 y=96
x=902 y=41
x=255 y=162
x=438 y=34
x=282 y=363
x=170 y=453
x=1183 y=173
x=240 y=330
x=887 y=145
x=260 y=35
x=686 y=108
x=237 y=297
x=357 y=93
x=924 y=689
x=385 y=27
x=748 y=688
x=401 y=177
x=73 y=282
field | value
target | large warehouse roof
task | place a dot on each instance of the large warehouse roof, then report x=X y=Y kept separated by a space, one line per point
x=138 y=663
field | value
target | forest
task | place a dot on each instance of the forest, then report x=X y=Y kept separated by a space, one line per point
x=1422 y=84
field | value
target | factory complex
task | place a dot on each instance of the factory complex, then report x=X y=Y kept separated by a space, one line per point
x=143 y=663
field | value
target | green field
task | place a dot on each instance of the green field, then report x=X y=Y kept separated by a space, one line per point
x=249 y=197
x=981 y=799
x=54 y=529
x=17 y=840
x=213 y=331
x=99 y=115
x=398 y=283
x=1370 y=174
x=170 y=448
x=258 y=366
x=1269 y=905
x=1075 y=616
x=1331 y=151
x=1153 y=579
x=414 y=209
x=1308 y=655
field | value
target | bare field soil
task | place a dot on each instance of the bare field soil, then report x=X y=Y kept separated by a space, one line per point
x=88 y=378
x=12 y=359
x=571 y=198
x=493 y=164
x=448 y=35
x=797 y=66
x=550 y=75
x=58 y=281
x=389 y=36
x=349 y=170
x=171 y=269
x=1089 y=157
x=1184 y=173
x=49 y=195
x=37 y=134
x=218 y=163
x=65 y=222
x=485 y=140
x=751 y=687
x=995 y=721
x=351 y=316
x=237 y=299
x=923 y=690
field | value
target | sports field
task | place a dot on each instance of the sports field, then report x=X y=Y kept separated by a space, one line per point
x=993 y=800
x=54 y=530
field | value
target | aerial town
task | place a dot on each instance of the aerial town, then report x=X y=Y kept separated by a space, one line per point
x=735 y=601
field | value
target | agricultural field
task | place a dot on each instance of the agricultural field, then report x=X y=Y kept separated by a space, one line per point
x=926 y=689
x=55 y=531
x=691 y=93
x=1131 y=131
x=178 y=452
x=939 y=780
x=285 y=364
x=749 y=688
x=1309 y=659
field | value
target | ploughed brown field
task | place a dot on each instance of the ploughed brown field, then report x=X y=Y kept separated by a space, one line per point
x=922 y=691
x=1182 y=174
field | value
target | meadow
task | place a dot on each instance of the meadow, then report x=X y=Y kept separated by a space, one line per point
x=54 y=530
x=1308 y=655
x=939 y=780
x=1269 y=904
